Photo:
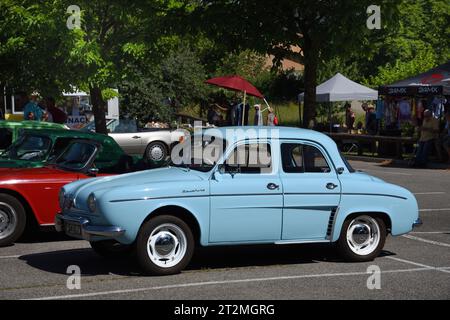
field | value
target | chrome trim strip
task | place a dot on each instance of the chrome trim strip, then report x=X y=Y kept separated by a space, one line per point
x=198 y=196
x=282 y=242
x=374 y=194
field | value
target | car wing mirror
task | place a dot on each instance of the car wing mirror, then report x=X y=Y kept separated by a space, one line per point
x=93 y=172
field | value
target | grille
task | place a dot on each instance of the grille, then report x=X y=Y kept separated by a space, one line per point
x=331 y=222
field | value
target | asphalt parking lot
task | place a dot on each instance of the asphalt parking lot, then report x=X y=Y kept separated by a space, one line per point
x=414 y=266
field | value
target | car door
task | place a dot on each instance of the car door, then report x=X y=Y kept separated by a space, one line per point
x=312 y=191
x=126 y=134
x=246 y=196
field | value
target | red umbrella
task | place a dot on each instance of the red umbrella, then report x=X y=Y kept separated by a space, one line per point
x=236 y=83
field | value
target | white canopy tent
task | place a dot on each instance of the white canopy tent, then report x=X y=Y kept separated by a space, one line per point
x=340 y=88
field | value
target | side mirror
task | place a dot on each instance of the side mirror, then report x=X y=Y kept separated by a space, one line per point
x=340 y=170
x=93 y=172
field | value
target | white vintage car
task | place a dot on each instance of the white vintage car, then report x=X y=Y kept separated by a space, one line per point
x=154 y=144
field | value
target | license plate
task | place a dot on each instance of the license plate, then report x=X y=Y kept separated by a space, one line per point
x=73 y=229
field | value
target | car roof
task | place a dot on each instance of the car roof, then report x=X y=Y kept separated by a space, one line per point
x=31 y=124
x=69 y=134
x=270 y=132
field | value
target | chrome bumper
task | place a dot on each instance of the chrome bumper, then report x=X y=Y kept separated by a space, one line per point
x=86 y=231
x=417 y=223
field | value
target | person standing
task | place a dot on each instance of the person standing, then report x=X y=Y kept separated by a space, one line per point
x=429 y=132
x=446 y=138
x=272 y=119
x=349 y=117
x=258 y=120
x=31 y=111
x=57 y=115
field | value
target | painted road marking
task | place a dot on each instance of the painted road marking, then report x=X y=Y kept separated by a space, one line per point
x=225 y=282
x=428 y=193
x=10 y=257
x=437 y=243
x=431 y=210
x=430 y=232
x=445 y=269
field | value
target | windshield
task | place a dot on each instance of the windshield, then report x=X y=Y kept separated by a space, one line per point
x=30 y=148
x=76 y=157
x=198 y=154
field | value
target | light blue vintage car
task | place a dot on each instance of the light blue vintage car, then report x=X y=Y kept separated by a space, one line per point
x=297 y=189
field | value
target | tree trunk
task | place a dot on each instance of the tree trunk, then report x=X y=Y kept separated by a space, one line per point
x=99 y=108
x=311 y=57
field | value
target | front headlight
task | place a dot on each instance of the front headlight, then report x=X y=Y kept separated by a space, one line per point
x=61 y=198
x=91 y=203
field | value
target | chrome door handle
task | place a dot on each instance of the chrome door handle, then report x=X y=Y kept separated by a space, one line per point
x=331 y=186
x=273 y=186
x=136 y=137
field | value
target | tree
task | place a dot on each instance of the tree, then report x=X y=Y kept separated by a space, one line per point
x=160 y=90
x=308 y=32
x=38 y=46
x=34 y=45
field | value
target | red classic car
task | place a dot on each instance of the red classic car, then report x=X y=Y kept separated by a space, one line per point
x=29 y=196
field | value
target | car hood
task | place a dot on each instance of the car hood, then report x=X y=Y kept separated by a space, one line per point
x=141 y=180
x=15 y=175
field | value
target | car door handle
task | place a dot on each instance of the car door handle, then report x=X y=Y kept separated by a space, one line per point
x=273 y=186
x=331 y=186
x=136 y=137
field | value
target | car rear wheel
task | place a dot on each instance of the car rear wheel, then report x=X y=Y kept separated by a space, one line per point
x=13 y=219
x=156 y=152
x=362 y=238
x=165 y=245
x=111 y=249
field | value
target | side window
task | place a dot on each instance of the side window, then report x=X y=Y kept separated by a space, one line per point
x=6 y=137
x=253 y=158
x=59 y=146
x=298 y=158
x=123 y=126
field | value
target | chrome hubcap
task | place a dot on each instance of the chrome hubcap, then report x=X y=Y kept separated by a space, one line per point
x=363 y=235
x=167 y=245
x=8 y=220
x=156 y=153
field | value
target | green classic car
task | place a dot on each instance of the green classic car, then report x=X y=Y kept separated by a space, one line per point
x=10 y=130
x=35 y=148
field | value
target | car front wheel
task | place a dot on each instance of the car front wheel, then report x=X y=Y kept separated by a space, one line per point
x=362 y=238
x=165 y=245
x=12 y=219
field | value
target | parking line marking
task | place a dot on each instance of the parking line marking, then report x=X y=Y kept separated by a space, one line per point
x=437 y=243
x=428 y=193
x=420 y=264
x=209 y=283
x=430 y=232
x=430 y=210
x=10 y=257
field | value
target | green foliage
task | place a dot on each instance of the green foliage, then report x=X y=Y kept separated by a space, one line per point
x=159 y=91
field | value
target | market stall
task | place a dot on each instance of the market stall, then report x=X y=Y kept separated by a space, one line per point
x=402 y=104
